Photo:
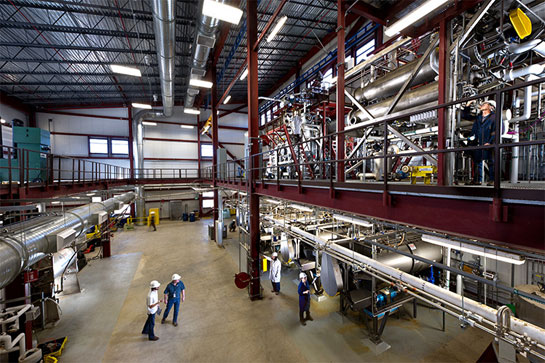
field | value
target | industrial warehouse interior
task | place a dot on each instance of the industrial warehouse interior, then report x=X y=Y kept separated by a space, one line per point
x=272 y=180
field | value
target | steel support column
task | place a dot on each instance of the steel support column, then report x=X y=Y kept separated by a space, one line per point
x=131 y=159
x=199 y=156
x=253 y=137
x=443 y=46
x=214 y=144
x=340 y=88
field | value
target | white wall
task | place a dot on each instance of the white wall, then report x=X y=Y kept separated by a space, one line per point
x=8 y=113
x=157 y=153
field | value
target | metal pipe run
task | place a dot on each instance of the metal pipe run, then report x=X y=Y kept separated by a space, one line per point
x=22 y=248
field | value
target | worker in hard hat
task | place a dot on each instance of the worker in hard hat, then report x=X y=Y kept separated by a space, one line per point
x=483 y=133
x=304 y=299
x=173 y=292
x=275 y=273
x=152 y=305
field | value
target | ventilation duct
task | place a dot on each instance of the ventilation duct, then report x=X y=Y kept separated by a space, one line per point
x=164 y=21
x=204 y=42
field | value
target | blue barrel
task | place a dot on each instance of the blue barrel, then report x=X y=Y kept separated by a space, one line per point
x=185 y=217
x=192 y=217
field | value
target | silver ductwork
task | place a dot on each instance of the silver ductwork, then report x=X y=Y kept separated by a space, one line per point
x=164 y=21
x=204 y=42
x=20 y=248
x=389 y=84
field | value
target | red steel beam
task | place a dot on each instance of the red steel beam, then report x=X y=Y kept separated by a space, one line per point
x=253 y=134
x=269 y=24
x=369 y=12
x=226 y=127
x=232 y=83
x=83 y=115
x=234 y=110
x=339 y=107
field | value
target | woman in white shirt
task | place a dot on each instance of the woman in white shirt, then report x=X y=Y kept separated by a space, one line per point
x=152 y=304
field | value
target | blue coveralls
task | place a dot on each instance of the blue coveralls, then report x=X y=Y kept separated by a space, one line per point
x=174 y=294
x=484 y=130
x=304 y=299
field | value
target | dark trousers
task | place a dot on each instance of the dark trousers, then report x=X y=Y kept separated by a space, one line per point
x=148 y=327
x=479 y=168
x=176 y=304
x=276 y=286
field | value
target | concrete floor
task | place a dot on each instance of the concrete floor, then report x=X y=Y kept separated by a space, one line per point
x=218 y=322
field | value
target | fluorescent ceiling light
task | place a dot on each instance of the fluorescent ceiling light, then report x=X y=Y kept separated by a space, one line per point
x=187 y=126
x=300 y=207
x=141 y=105
x=273 y=201
x=359 y=222
x=90 y=194
x=56 y=202
x=221 y=11
x=130 y=71
x=413 y=16
x=277 y=28
x=476 y=250
x=148 y=123
x=200 y=83
x=244 y=75
x=2 y=120
x=227 y=99
x=192 y=111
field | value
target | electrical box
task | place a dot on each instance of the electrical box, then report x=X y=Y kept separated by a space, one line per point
x=65 y=237
x=222 y=163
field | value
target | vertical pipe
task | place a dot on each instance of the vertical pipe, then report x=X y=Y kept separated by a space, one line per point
x=131 y=156
x=340 y=89
x=215 y=145
x=199 y=161
x=253 y=134
x=442 y=99
x=447 y=282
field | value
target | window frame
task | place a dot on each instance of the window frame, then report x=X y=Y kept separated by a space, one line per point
x=111 y=140
x=363 y=56
x=107 y=153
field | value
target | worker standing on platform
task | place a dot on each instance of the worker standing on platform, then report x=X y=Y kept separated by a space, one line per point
x=484 y=134
x=304 y=299
x=275 y=273
x=152 y=304
x=173 y=292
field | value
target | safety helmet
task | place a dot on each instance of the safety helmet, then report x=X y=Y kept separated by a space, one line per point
x=154 y=284
x=301 y=275
x=491 y=103
x=176 y=277
x=275 y=254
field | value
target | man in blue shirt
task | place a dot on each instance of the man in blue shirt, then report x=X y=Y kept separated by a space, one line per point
x=172 y=293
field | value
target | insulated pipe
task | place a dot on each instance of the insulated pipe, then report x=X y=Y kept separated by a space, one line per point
x=480 y=310
x=537 y=45
x=22 y=248
x=533 y=69
x=164 y=21
x=389 y=84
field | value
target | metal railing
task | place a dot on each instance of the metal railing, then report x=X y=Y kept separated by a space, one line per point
x=327 y=168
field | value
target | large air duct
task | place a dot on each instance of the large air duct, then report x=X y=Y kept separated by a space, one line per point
x=26 y=246
x=204 y=42
x=164 y=21
x=389 y=84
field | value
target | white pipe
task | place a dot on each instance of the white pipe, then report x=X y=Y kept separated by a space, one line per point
x=459 y=284
x=537 y=45
x=517 y=325
x=447 y=283
x=8 y=344
x=513 y=74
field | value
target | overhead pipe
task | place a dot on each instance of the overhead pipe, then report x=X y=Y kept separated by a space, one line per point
x=204 y=42
x=164 y=22
x=22 y=248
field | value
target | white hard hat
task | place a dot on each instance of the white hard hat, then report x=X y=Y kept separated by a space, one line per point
x=154 y=284
x=491 y=103
x=302 y=274
x=275 y=254
x=176 y=277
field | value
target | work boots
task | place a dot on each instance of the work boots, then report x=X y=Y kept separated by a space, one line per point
x=308 y=316
x=301 y=319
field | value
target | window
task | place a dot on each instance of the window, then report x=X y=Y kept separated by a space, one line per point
x=207 y=151
x=262 y=119
x=98 y=146
x=327 y=79
x=348 y=61
x=364 y=50
x=208 y=203
x=208 y=194
x=120 y=147
x=269 y=115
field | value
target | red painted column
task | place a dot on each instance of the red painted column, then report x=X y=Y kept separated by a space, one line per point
x=215 y=143
x=199 y=156
x=340 y=88
x=253 y=133
x=441 y=113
